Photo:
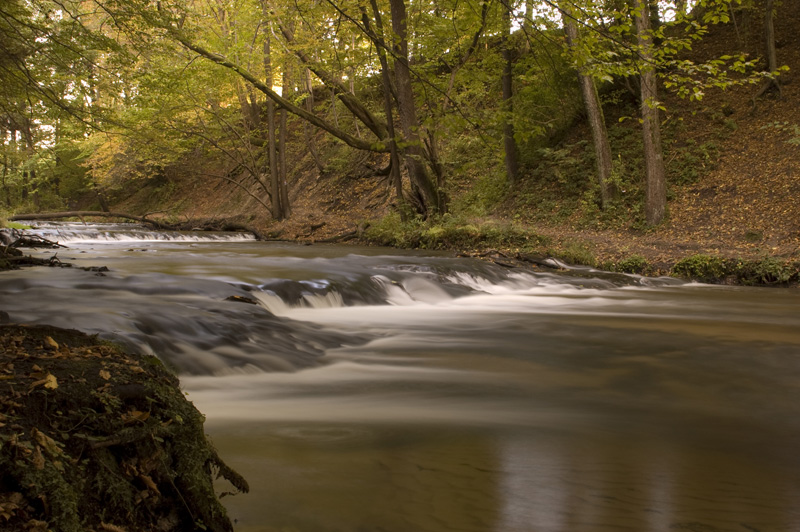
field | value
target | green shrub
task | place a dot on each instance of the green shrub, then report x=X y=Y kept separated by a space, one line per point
x=767 y=271
x=703 y=268
x=449 y=232
x=633 y=264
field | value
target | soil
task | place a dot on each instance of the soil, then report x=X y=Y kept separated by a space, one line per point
x=95 y=439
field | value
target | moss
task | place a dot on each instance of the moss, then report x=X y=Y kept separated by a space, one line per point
x=95 y=436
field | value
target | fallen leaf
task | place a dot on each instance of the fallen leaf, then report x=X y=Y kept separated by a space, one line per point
x=104 y=374
x=134 y=416
x=112 y=528
x=150 y=484
x=49 y=343
x=49 y=381
x=38 y=459
x=47 y=443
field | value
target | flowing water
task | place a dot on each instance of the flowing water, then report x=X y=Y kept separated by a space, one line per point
x=364 y=389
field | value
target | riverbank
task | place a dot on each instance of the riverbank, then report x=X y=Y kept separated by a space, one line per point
x=95 y=439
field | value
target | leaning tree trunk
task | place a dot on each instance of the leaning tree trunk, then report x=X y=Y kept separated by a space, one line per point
x=597 y=123
x=655 y=181
x=427 y=197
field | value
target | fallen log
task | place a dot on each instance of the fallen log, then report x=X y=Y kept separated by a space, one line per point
x=88 y=214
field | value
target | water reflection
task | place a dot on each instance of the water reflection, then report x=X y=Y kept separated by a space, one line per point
x=323 y=477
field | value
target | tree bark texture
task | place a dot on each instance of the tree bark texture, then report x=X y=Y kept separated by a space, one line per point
x=283 y=186
x=655 y=176
x=423 y=186
x=388 y=92
x=272 y=150
x=597 y=123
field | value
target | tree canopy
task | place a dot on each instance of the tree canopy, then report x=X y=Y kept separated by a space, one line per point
x=96 y=94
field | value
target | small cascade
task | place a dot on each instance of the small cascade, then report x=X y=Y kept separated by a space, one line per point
x=253 y=306
x=77 y=233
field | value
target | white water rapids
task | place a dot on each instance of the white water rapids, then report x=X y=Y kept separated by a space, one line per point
x=363 y=389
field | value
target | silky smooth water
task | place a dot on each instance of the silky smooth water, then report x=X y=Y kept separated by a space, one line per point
x=364 y=389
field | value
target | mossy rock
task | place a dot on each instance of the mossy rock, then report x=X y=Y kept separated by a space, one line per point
x=92 y=438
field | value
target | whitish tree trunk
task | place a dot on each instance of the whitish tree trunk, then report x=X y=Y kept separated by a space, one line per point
x=655 y=181
x=597 y=123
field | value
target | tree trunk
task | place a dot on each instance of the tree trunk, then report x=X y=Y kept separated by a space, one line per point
x=510 y=145
x=272 y=152
x=6 y=168
x=423 y=186
x=283 y=175
x=769 y=36
x=597 y=123
x=772 y=54
x=655 y=181
x=310 y=141
x=386 y=78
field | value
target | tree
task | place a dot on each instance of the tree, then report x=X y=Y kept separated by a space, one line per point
x=510 y=144
x=655 y=176
x=594 y=113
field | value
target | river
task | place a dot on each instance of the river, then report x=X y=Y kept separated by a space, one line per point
x=371 y=390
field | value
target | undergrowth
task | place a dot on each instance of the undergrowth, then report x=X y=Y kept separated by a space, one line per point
x=450 y=232
x=711 y=269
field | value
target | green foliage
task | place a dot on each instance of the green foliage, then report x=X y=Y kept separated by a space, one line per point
x=704 y=268
x=691 y=161
x=766 y=271
x=633 y=264
x=575 y=252
x=483 y=195
x=450 y=232
x=13 y=225
x=793 y=130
